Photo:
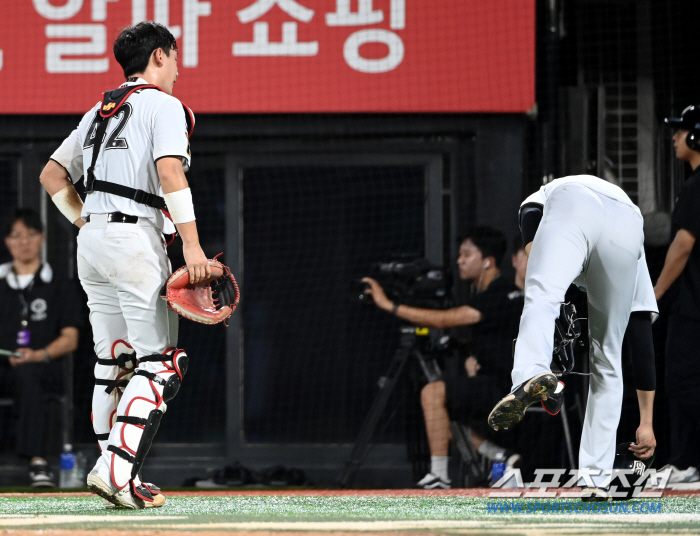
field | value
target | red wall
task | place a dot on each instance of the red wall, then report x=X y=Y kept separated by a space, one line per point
x=445 y=55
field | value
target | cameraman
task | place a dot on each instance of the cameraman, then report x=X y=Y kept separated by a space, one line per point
x=493 y=310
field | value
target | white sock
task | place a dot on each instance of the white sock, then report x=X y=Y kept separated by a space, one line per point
x=492 y=451
x=438 y=466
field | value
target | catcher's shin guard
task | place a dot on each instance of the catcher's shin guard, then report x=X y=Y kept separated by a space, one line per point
x=156 y=381
x=149 y=433
x=149 y=430
x=171 y=385
x=112 y=375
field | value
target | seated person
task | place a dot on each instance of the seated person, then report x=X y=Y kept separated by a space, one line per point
x=494 y=309
x=39 y=320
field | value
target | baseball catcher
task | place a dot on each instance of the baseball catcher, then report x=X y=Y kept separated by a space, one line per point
x=133 y=149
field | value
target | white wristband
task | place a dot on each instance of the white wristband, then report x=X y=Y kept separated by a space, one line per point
x=180 y=206
x=69 y=203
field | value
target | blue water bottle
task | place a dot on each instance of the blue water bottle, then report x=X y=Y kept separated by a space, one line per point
x=498 y=469
x=65 y=476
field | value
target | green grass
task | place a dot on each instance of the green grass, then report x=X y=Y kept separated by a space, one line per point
x=442 y=515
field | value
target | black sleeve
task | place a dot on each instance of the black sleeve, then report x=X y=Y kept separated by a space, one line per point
x=72 y=301
x=530 y=217
x=486 y=303
x=685 y=216
x=641 y=345
x=496 y=303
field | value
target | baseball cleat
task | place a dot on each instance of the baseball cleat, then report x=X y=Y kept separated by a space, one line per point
x=120 y=498
x=554 y=401
x=158 y=499
x=511 y=409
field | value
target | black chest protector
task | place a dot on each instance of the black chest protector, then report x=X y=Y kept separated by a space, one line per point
x=112 y=102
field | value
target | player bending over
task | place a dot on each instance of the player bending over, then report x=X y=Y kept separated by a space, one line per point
x=585 y=230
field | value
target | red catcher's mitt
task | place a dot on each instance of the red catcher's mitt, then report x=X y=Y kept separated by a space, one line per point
x=210 y=301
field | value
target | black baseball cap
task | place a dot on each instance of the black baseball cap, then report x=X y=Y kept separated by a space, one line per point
x=689 y=119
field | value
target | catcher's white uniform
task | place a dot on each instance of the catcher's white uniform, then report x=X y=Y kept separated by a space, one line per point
x=123 y=266
x=591 y=234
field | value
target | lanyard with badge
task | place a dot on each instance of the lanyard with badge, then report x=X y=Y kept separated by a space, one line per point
x=24 y=335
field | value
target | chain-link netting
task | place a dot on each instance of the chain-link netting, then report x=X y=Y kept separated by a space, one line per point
x=333 y=138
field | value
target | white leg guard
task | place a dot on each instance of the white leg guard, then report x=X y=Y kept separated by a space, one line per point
x=112 y=375
x=155 y=382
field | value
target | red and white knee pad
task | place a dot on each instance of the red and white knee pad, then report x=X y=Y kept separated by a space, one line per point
x=112 y=375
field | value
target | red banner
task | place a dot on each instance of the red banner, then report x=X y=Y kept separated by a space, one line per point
x=280 y=55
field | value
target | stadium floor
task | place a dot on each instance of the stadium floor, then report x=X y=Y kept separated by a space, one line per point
x=353 y=512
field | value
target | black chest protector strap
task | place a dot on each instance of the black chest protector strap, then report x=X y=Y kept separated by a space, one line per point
x=111 y=103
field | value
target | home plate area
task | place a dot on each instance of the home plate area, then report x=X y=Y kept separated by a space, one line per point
x=414 y=512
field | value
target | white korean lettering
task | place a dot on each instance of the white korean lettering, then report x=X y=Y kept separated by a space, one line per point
x=161 y=14
x=512 y=475
x=659 y=479
x=398 y=14
x=193 y=10
x=393 y=59
x=99 y=10
x=47 y=10
x=260 y=7
x=1 y=60
x=547 y=478
x=586 y=474
x=289 y=46
x=364 y=15
x=56 y=53
x=261 y=45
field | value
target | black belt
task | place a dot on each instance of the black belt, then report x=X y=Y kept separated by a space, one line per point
x=118 y=217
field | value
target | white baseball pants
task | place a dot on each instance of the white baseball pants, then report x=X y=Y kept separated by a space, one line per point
x=583 y=232
x=122 y=268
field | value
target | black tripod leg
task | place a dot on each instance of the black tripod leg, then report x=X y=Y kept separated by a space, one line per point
x=386 y=386
x=472 y=470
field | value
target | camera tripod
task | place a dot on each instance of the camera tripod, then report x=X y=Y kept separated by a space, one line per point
x=408 y=347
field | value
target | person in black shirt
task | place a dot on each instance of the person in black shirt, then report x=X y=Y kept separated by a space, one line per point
x=39 y=321
x=494 y=310
x=682 y=270
x=519 y=261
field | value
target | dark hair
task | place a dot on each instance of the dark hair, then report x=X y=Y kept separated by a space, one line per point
x=490 y=241
x=517 y=243
x=27 y=216
x=135 y=44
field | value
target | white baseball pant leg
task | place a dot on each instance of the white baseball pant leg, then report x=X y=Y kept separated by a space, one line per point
x=581 y=229
x=122 y=268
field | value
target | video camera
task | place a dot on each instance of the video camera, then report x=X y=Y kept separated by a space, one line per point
x=415 y=282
